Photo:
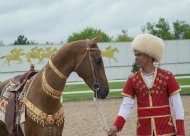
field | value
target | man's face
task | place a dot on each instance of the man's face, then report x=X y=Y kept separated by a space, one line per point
x=142 y=60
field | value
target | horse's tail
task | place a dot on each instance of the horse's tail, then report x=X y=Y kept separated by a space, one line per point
x=2 y=57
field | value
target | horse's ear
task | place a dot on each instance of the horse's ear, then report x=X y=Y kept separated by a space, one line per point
x=97 y=39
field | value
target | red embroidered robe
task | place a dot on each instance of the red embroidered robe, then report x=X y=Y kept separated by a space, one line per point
x=153 y=102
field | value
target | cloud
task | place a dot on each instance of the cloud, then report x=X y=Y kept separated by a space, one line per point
x=47 y=20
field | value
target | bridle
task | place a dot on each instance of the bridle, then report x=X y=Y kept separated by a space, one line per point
x=95 y=85
x=56 y=94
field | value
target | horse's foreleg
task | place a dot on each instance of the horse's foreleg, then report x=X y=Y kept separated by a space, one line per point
x=3 y=129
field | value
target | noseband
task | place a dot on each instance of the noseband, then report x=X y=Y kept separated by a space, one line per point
x=96 y=85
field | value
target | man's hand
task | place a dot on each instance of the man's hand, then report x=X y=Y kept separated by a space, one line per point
x=113 y=131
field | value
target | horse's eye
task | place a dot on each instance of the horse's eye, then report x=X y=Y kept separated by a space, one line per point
x=98 y=61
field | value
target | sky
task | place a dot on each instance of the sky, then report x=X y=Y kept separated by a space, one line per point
x=54 y=21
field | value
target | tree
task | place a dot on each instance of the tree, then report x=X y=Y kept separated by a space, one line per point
x=181 y=30
x=33 y=43
x=123 y=38
x=89 y=33
x=49 y=43
x=134 y=68
x=21 y=40
x=160 y=29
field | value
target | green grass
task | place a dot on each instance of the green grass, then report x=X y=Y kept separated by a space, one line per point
x=184 y=81
x=88 y=96
x=82 y=87
x=183 y=75
x=112 y=85
x=185 y=91
x=76 y=87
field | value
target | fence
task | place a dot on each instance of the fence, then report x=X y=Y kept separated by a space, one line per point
x=117 y=56
x=117 y=90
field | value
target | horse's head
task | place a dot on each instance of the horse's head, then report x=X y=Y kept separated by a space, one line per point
x=90 y=67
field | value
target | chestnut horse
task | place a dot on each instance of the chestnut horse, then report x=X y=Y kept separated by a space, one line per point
x=44 y=111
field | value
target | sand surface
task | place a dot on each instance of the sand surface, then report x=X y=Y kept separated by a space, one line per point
x=81 y=117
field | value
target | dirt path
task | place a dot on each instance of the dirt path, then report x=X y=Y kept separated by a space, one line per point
x=81 y=118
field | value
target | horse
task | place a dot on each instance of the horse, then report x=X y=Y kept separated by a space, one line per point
x=48 y=52
x=15 y=55
x=109 y=53
x=35 y=53
x=44 y=113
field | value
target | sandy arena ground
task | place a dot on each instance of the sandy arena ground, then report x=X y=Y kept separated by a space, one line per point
x=81 y=117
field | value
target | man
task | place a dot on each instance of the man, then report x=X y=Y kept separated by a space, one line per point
x=156 y=91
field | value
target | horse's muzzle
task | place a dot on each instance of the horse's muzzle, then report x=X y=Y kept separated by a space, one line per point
x=101 y=93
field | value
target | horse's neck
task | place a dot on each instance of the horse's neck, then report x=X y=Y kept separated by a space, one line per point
x=40 y=92
x=64 y=61
x=48 y=84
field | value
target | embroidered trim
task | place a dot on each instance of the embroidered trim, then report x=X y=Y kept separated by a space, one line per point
x=48 y=89
x=42 y=118
x=177 y=91
x=153 y=107
x=56 y=70
x=153 y=126
x=160 y=116
x=130 y=96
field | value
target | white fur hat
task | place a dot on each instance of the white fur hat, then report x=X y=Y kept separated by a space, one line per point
x=150 y=45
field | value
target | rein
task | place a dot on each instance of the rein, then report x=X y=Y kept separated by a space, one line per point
x=101 y=117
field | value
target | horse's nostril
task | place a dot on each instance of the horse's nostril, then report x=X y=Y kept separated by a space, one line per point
x=101 y=94
x=96 y=86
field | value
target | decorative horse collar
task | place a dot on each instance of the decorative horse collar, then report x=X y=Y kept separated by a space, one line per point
x=41 y=117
